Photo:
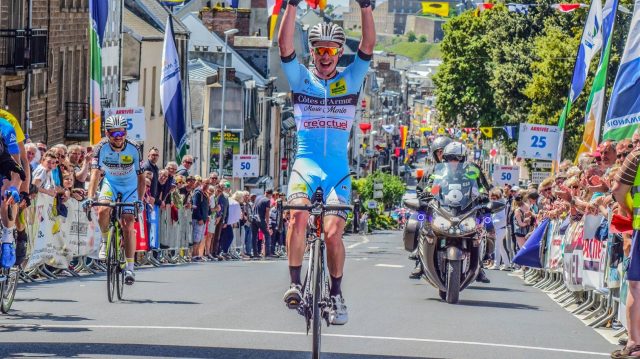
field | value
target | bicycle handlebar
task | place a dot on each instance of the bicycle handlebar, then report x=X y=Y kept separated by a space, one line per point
x=326 y=207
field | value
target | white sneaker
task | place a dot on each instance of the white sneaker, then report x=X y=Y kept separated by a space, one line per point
x=129 y=277
x=102 y=255
x=338 y=314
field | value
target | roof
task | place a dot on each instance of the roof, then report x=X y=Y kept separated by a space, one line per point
x=199 y=70
x=155 y=14
x=200 y=35
x=139 y=28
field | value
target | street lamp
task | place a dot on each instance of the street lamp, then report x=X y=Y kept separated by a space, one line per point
x=224 y=86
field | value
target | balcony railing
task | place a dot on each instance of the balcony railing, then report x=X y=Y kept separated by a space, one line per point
x=22 y=49
x=77 y=121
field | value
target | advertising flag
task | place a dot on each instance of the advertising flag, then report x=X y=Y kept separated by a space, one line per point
x=590 y=44
x=593 y=118
x=273 y=10
x=437 y=8
x=171 y=92
x=98 y=10
x=623 y=114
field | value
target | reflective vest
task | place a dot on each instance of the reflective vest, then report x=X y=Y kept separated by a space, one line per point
x=635 y=194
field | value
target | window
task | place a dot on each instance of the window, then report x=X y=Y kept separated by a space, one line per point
x=153 y=91
x=15 y=15
x=60 y=81
x=144 y=87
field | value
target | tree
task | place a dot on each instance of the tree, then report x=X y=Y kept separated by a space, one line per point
x=392 y=188
x=411 y=36
x=423 y=38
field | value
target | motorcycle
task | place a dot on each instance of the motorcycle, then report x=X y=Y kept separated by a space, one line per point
x=451 y=238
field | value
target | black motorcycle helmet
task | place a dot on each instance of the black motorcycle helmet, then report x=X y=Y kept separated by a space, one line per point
x=439 y=144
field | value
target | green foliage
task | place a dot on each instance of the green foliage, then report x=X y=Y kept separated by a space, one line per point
x=423 y=38
x=503 y=68
x=393 y=188
x=411 y=36
x=379 y=220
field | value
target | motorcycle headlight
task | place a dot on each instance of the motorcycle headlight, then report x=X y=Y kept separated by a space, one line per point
x=440 y=223
x=467 y=225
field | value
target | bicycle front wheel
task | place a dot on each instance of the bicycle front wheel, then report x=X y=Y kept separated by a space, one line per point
x=9 y=288
x=112 y=265
x=121 y=266
x=316 y=285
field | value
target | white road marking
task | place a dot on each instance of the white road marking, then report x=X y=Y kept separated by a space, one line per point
x=364 y=240
x=278 y=332
x=373 y=247
x=390 y=265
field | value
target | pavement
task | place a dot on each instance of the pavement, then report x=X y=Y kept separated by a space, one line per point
x=235 y=310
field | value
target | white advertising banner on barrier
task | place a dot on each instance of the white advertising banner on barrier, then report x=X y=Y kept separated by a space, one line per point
x=50 y=246
x=538 y=142
x=245 y=165
x=506 y=175
x=135 y=119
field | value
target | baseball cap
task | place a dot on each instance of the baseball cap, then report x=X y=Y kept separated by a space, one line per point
x=227 y=184
x=515 y=188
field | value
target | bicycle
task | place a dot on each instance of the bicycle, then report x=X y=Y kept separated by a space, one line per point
x=316 y=301
x=116 y=261
x=8 y=286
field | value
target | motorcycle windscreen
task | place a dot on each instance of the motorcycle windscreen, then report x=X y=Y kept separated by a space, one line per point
x=455 y=185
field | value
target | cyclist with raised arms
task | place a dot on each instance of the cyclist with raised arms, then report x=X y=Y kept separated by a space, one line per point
x=119 y=159
x=324 y=102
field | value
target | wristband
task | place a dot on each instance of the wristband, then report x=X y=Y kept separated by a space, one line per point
x=364 y=3
x=294 y=3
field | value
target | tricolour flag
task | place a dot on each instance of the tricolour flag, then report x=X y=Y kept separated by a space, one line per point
x=567 y=7
x=593 y=118
x=623 y=114
x=171 y=92
x=273 y=10
x=529 y=254
x=590 y=44
x=437 y=8
x=99 y=10
x=482 y=7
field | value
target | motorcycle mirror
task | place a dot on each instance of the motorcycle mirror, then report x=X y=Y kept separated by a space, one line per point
x=496 y=206
x=412 y=203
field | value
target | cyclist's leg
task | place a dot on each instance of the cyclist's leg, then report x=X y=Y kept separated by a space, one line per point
x=301 y=186
x=334 y=224
x=106 y=195
x=8 y=205
x=127 y=221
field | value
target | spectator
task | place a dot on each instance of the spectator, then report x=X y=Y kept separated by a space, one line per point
x=187 y=162
x=522 y=219
x=261 y=221
x=151 y=165
x=42 y=176
x=200 y=213
x=33 y=155
x=235 y=213
x=164 y=189
x=211 y=222
x=501 y=259
x=80 y=161
x=247 y=210
x=221 y=221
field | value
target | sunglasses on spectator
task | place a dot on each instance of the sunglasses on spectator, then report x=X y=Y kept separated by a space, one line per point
x=598 y=159
x=117 y=134
x=189 y=162
x=623 y=155
x=331 y=51
x=546 y=189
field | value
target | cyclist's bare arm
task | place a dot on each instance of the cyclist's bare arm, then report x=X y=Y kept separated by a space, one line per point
x=287 y=31
x=368 y=41
x=141 y=185
x=24 y=162
x=93 y=182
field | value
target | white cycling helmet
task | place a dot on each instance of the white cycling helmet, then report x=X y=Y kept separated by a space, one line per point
x=455 y=151
x=327 y=32
x=115 y=121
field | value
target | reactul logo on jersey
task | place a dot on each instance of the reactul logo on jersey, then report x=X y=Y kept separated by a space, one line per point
x=337 y=124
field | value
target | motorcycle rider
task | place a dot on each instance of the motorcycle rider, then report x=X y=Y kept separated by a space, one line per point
x=455 y=152
x=437 y=148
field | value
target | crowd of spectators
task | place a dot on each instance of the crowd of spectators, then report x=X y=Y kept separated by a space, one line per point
x=220 y=216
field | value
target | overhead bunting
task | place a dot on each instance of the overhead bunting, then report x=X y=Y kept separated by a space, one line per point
x=388 y=128
x=437 y=8
x=519 y=8
x=482 y=7
x=568 y=7
x=487 y=131
x=511 y=131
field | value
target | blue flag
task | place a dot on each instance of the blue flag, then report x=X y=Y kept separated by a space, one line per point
x=529 y=254
x=511 y=131
x=623 y=114
x=171 y=92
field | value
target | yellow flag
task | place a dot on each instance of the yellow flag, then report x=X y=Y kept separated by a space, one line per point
x=487 y=131
x=441 y=131
x=433 y=7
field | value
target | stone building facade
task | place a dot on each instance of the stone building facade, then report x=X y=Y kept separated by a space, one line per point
x=50 y=86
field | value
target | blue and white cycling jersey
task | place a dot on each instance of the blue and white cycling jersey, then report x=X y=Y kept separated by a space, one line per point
x=324 y=111
x=121 y=168
x=9 y=137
